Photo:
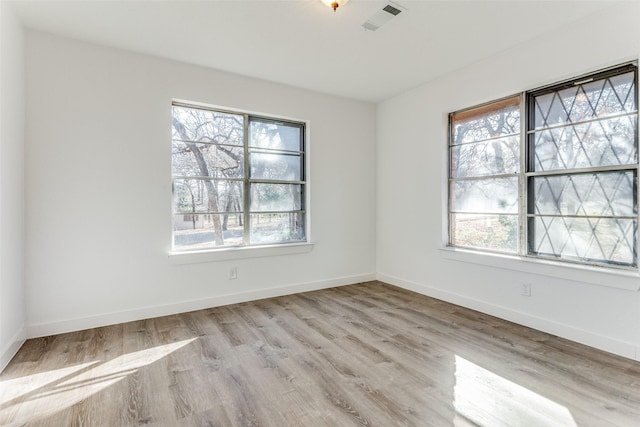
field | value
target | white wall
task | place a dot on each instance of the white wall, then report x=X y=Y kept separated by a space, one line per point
x=12 y=301
x=98 y=193
x=411 y=188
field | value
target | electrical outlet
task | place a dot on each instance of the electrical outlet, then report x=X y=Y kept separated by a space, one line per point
x=233 y=273
x=525 y=291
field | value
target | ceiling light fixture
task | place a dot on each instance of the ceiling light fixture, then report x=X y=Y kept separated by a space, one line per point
x=334 y=4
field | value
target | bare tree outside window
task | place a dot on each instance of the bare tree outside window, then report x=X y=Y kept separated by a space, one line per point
x=484 y=158
x=243 y=176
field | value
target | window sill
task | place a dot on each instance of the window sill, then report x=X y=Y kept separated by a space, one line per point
x=620 y=279
x=227 y=254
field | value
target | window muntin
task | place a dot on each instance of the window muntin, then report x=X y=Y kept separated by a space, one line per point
x=576 y=199
x=243 y=175
x=582 y=177
x=484 y=155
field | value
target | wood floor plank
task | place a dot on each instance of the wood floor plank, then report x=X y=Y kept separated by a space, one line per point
x=368 y=354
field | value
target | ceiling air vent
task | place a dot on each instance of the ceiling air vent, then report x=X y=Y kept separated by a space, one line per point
x=383 y=16
x=392 y=10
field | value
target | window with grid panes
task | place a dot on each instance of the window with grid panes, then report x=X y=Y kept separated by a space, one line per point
x=575 y=199
x=484 y=167
x=238 y=179
x=582 y=169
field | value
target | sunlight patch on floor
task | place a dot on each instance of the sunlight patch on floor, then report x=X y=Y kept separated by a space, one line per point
x=487 y=399
x=42 y=394
x=11 y=389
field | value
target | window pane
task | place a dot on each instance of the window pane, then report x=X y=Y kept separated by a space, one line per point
x=286 y=167
x=217 y=161
x=200 y=195
x=601 y=143
x=593 y=125
x=277 y=136
x=281 y=227
x=600 y=98
x=497 y=156
x=196 y=125
x=196 y=232
x=495 y=232
x=276 y=197
x=498 y=119
x=625 y=88
x=209 y=152
x=602 y=194
x=485 y=141
x=587 y=239
x=491 y=195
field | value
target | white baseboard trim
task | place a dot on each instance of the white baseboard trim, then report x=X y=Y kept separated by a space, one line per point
x=77 y=324
x=12 y=347
x=600 y=342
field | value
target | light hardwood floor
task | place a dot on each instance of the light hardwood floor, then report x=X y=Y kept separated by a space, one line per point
x=368 y=354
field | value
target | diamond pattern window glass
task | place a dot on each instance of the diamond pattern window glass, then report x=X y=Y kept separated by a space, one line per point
x=575 y=196
x=583 y=157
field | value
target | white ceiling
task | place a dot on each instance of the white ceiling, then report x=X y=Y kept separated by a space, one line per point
x=303 y=43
